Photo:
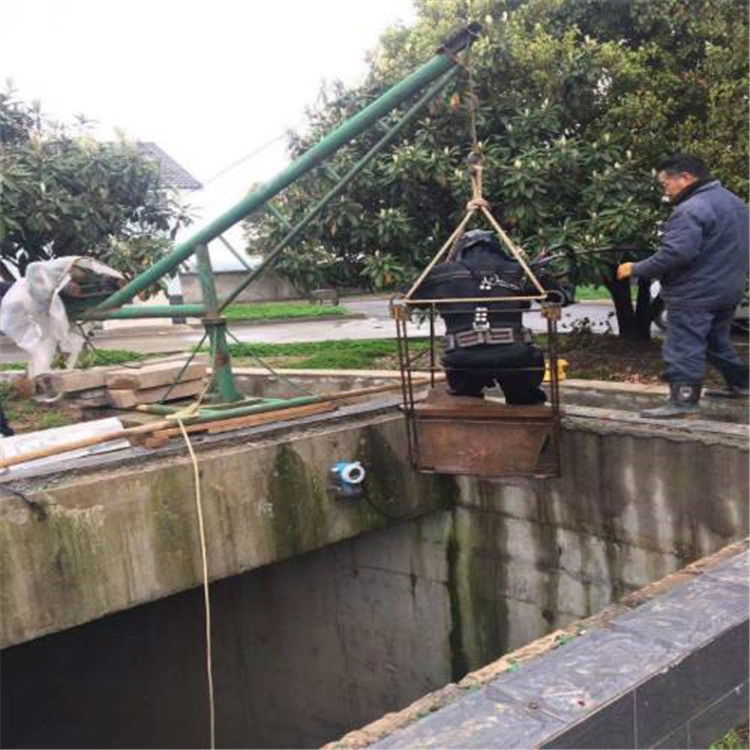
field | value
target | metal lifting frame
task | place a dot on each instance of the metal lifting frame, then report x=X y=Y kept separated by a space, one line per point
x=436 y=74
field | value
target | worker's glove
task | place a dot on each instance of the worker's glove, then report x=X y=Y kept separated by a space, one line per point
x=624 y=271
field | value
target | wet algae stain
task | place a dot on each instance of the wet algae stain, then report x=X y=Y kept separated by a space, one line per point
x=299 y=503
x=172 y=526
x=459 y=660
x=549 y=552
x=393 y=488
x=476 y=590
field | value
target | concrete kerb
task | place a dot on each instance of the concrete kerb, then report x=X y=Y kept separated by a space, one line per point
x=251 y=323
x=590 y=418
x=637 y=396
x=600 y=394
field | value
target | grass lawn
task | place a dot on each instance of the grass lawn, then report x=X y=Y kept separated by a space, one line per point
x=322 y=355
x=93 y=358
x=588 y=293
x=26 y=415
x=275 y=310
x=736 y=739
x=590 y=356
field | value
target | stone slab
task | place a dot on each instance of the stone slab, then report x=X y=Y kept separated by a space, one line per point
x=671 y=698
x=673 y=670
x=585 y=675
x=152 y=376
x=735 y=570
x=664 y=619
x=476 y=722
x=612 y=727
x=126 y=399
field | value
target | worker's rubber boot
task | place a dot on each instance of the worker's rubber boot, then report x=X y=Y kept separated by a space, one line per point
x=729 y=391
x=683 y=402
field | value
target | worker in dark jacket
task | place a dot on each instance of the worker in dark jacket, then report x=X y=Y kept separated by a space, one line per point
x=486 y=343
x=702 y=265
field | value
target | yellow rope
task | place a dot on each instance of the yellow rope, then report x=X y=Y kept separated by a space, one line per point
x=478 y=204
x=206 y=594
x=448 y=243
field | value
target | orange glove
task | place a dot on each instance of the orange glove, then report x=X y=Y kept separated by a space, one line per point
x=624 y=271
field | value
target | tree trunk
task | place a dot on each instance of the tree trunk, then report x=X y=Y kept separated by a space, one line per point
x=644 y=312
x=620 y=292
x=633 y=322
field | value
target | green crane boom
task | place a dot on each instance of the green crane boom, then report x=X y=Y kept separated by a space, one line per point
x=437 y=69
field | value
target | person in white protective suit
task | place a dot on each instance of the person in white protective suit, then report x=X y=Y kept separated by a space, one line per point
x=33 y=315
x=5 y=429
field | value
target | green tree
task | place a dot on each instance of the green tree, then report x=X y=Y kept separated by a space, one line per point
x=575 y=103
x=63 y=193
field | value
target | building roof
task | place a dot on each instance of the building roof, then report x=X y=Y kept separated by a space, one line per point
x=171 y=172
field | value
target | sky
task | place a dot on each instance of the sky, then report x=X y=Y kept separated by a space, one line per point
x=209 y=81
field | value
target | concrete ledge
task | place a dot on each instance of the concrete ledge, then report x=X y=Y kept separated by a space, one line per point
x=608 y=421
x=108 y=532
x=595 y=393
x=635 y=397
x=75 y=546
x=666 y=667
x=252 y=322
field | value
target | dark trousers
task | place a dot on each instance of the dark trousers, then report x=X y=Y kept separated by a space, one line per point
x=517 y=368
x=695 y=337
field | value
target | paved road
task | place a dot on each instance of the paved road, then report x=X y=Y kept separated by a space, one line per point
x=597 y=312
x=376 y=324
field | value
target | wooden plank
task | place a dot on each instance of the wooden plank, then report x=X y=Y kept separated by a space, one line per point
x=157 y=440
x=251 y=420
x=127 y=399
x=497 y=413
x=71 y=381
x=153 y=376
x=442 y=405
x=179 y=357
x=279 y=415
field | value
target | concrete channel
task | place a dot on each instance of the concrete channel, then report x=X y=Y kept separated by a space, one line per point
x=330 y=612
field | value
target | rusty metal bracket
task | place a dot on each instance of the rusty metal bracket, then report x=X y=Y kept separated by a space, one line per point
x=551 y=311
x=399 y=310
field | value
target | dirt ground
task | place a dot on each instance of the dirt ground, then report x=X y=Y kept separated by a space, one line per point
x=603 y=357
x=608 y=357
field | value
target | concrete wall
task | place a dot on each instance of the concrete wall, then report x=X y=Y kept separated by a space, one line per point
x=469 y=570
x=304 y=650
x=634 y=503
x=98 y=542
x=630 y=508
x=664 y=667
x=270 y=286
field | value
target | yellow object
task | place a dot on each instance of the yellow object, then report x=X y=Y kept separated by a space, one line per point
x=562 y=365
x=624 y=271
